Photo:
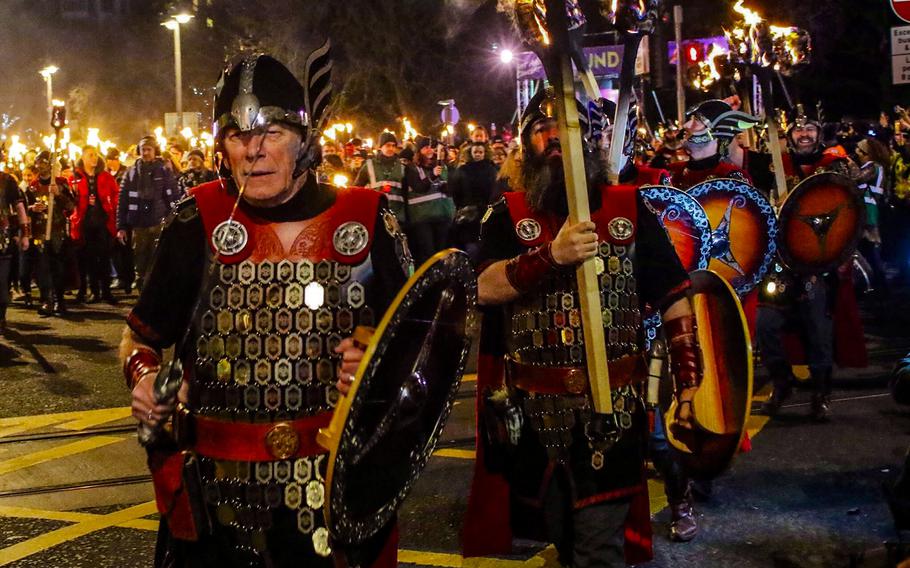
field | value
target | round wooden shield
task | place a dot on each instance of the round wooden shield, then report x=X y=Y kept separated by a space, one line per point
x=385 y=429
x=821 y=223
x=685 y=221
x=743 y=231
x=722 y=404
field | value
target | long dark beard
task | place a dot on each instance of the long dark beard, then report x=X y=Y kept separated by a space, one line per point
x=544 y=182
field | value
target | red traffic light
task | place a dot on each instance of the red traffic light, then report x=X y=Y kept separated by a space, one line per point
x=694 y=52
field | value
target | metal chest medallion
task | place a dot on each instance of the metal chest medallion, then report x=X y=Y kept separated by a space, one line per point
x=527 y=229
x=350 y=238
x=229 y=237
x=620 y=228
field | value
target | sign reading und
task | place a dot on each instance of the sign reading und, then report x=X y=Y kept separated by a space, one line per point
x=604 y=61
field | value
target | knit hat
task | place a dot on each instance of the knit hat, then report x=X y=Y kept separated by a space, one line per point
x=387 y=137
x=112 y=154
x=196 y=152
x=423 y=142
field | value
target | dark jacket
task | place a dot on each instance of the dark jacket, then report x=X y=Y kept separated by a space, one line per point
x=145 y=204
x=473 y=187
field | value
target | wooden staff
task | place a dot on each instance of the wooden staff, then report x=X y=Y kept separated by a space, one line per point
x=579 y=210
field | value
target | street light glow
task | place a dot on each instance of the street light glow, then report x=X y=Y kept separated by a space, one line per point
x=48 y=71
x=170 y=24
x=183 y=18
x=506 y=56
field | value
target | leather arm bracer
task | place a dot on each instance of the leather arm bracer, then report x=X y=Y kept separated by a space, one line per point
x=525 y=272
x=141 y=362
x=685 y=359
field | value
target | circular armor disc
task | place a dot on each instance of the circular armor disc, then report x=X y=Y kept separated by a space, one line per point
x=685 y=221
x=743 y=231
x=386 y=428
x=821 y=222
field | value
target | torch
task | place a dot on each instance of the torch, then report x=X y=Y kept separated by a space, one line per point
x=769 y=51
x=58 y=121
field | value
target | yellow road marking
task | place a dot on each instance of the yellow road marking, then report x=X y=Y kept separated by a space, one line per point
x=86 y=523
x=66 y=420
x=34 y=458
x=99 y=522
x=455 y=453
x=94 y=418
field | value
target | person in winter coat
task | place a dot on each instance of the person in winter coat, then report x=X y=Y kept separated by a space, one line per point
x=149 y=189
x=473 y=188
x=429 y=209
x=94 y=224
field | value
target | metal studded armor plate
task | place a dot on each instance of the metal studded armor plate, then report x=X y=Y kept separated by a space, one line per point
x=546 y=325
x=265 y=353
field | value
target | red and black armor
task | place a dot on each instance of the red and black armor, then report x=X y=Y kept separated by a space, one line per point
x=264 y=371
x=545 y=354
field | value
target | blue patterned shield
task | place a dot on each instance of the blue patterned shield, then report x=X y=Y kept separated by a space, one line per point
x=743 y=231
x=685 y=221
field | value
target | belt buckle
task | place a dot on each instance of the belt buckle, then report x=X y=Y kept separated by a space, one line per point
x=282 y=441
x=575 y=381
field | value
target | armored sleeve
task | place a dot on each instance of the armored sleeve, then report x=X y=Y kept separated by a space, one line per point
x=165 y=305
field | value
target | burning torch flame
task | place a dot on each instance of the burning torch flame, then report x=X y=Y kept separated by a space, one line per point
x=759 y=43
x=707 y=73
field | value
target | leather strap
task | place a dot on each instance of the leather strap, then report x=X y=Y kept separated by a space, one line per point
x=624 y=371
x=253 y=442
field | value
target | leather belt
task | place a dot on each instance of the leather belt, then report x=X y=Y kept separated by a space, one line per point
x=253 y=442
x=573 y=380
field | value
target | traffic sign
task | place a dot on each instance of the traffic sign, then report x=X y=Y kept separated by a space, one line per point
x=902 y=9
x=900 y=40
x=900 y=69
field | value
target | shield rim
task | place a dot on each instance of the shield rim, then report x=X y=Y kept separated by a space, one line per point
x=697 y=215
x=331 y=438
x=731 y=442
x=767 y=209
x=848 y=251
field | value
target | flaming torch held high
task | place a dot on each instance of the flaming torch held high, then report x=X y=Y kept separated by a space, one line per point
x=768 y=50
x=756 y=42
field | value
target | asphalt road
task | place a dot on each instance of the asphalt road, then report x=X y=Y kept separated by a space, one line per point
x=807 y=495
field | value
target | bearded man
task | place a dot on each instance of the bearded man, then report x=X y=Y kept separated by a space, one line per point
x=259 y=280
x=573 y=474
x=804 y=302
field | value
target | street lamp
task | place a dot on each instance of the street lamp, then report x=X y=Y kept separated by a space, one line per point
x=506 y=56
x=174 y=24
x=48 y=74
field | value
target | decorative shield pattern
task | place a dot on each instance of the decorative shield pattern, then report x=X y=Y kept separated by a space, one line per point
x=384 y=431
x=685 y=221
x=821 y=222
x=722 y=404
x=743 y=231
